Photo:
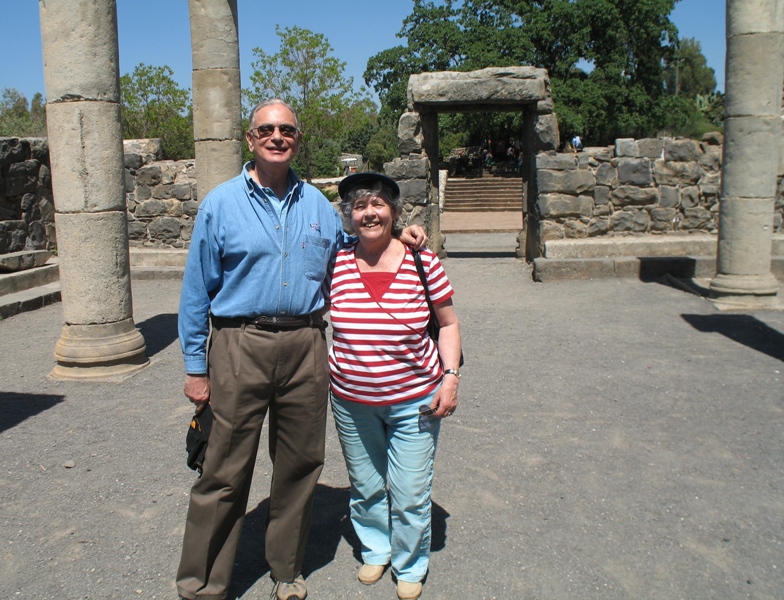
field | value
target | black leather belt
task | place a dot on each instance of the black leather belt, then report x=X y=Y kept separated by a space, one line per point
x=272 y=323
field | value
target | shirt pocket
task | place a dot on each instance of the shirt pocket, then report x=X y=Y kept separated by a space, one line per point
x=317 y=255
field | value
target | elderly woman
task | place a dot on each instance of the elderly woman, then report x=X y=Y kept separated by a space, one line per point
x=390 y=384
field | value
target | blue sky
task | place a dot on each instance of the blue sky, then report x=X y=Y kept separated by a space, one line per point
x=156 y=32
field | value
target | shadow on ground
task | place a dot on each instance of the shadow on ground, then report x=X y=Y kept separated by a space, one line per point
x=159 y=332
x=16 y=407
x=743 y=329
x=329 y=524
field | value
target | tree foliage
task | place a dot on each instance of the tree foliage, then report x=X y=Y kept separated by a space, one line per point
x=688 y=72
x=604 y=57
x=17 y=119
x=305 y=74
x=154 y=106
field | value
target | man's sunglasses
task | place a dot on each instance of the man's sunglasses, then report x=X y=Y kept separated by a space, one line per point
x=266 y=130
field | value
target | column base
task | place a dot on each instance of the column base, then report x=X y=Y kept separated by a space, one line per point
x=100 y=351
x=745 y=292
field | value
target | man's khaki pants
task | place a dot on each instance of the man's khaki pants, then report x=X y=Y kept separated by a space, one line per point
x=252 y=371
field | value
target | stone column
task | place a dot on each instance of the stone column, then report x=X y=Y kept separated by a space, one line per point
x=429 y=119
x=99 y=338
x=752 y=110
x=217 y=110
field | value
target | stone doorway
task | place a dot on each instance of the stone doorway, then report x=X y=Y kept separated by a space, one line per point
x=510 y=89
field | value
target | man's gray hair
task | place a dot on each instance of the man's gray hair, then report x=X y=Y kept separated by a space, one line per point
x=273 y=102
x=365 y=189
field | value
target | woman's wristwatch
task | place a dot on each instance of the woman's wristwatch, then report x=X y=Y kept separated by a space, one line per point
x=455 y=372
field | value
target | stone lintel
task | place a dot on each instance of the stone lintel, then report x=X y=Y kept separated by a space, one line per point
x=479 y=90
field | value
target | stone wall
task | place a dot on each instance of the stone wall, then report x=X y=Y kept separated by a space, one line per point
x=660 y=186
x=26 y=205
x=161 y=196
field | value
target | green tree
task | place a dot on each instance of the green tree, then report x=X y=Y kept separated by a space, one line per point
x=306 y=75
x=688 y=72
x=17 y=120
x=154 y=106
x=604 y=57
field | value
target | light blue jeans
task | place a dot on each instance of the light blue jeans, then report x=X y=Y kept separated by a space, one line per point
x=389 y=452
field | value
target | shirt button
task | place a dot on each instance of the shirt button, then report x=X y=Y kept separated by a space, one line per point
x=277 y=226
x=285 y=283
x=285 y=254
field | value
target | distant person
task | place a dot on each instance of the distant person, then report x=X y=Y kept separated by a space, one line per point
x=390 y=383
x=577 y=143
x=263 y=245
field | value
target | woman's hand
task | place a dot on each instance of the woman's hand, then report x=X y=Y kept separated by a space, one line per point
x=445 y=400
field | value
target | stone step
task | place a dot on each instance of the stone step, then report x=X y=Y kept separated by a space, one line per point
x=19 y=281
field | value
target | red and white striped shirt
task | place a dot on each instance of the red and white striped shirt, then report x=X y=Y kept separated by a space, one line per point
x=381 y=352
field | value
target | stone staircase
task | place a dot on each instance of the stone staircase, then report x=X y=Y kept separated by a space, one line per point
x=484 y=194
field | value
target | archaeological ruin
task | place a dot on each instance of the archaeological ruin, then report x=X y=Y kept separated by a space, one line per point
x=100 y=202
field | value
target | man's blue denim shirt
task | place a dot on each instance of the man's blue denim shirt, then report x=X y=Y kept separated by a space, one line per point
x=243 y=262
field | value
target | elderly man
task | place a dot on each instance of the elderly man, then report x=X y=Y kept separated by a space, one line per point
x=262 y=248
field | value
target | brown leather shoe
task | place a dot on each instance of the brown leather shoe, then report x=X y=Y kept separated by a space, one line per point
x=293 y=590
x=409 y=591
x=370 y=574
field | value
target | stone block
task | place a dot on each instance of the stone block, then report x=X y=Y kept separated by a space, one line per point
x=748 y=170
x=690 y=196
x=570 y=182
x=181 y=191
x=663 y=219
x=634 y=171
x=409 y=133
x=749 y=61
x=164 y=229
x=217 y=110
x=497 y=86
x=697 y=218
x=22 y=178
x=409 y=168
x=137 y=230
x=130 y=182
x=190 y=208
x=150 y=208
x=621 y=221
x=601 y=195
x=669 y=196
x=150 y=149
x=552 y=206
x=607 y=175
x=161 y=192
x=413 y=191
x=133 y=161
x=95 y=273
x=710 y=160
x=575 y=229
x=681 y=151
x=626 y=147
x=632 y=195
x=713 y=138
x=214 y=36
x=650 y=148
x=24 y=260
x=149 y=175
x=80 y=54
x=546 y=130
x=556 y=162
x=597 y=227
x=550 y=230
x=88 y=176
x=676 y=173
x=217 y=161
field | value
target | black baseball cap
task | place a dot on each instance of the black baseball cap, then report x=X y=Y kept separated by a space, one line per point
x=367 y=177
